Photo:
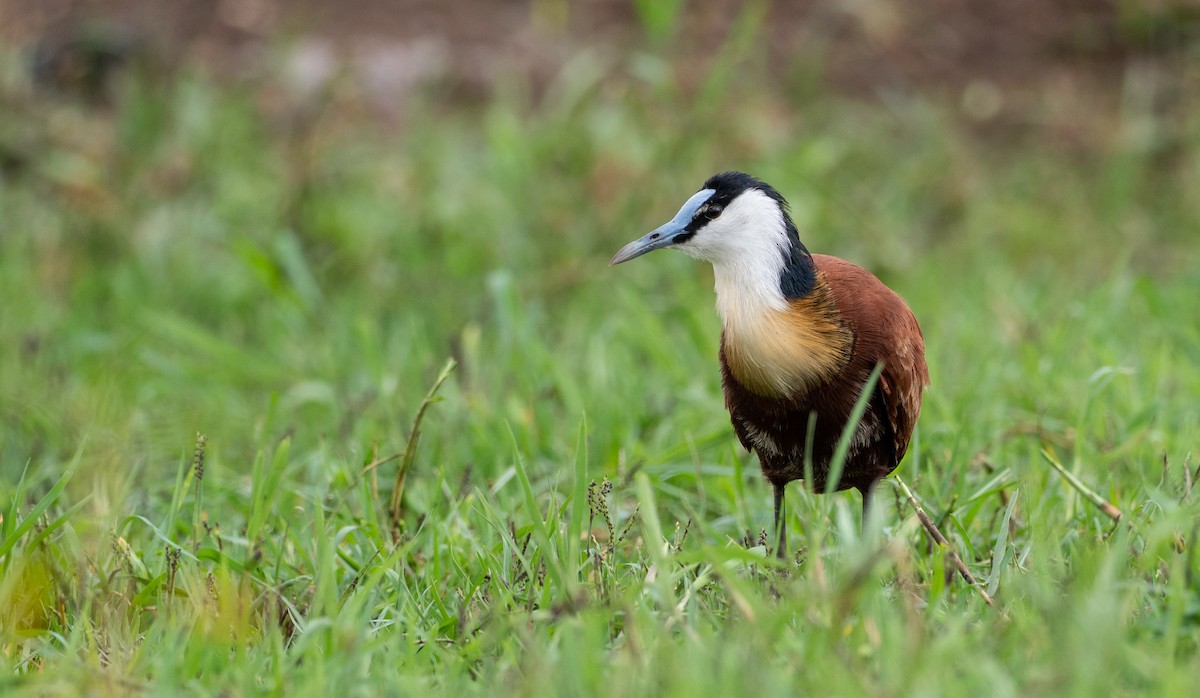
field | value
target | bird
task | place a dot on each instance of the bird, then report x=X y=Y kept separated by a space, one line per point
x=802 y=335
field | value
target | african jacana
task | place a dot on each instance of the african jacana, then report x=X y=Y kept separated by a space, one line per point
x=801 y=336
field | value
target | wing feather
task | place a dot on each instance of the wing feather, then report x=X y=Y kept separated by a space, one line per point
x=886 y=330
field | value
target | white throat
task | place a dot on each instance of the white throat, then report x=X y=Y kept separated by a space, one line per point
x=746 y=246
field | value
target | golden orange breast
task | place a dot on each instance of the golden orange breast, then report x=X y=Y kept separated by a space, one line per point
x=781 y=352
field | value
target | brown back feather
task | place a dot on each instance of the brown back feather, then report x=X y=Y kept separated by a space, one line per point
x=885 y=330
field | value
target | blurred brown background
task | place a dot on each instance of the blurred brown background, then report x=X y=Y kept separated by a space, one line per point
x=1061 y=68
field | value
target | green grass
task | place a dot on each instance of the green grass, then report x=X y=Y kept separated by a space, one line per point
x=289 y=283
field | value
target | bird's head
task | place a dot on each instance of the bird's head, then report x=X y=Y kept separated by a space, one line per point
x=735 y=219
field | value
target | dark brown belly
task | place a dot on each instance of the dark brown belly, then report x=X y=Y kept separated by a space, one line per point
x=777 y=430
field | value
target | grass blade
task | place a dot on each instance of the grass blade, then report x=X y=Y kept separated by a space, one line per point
x=579 y=506
x=838 y=462
x=1001 y=547
x=396 y=505
x=40 y=508
x=541 y=532
x=1091 y=495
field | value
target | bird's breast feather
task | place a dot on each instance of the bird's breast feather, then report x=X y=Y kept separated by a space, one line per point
x=782 y=352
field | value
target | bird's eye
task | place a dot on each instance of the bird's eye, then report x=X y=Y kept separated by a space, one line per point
x=710 y=213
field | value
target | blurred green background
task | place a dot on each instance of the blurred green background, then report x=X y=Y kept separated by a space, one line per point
x=273 y=224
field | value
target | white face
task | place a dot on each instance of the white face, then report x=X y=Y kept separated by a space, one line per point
x=749 y=231
x=747 y=245
x=746 y=242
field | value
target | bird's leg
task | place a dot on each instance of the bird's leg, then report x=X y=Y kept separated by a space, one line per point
x=866 y=497
x=780 y=521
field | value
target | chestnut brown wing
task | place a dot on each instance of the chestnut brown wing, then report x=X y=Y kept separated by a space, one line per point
x=886 y=330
